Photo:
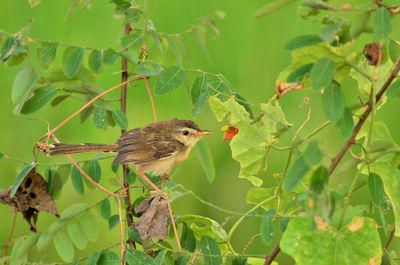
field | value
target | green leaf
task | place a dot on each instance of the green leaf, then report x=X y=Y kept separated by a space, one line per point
x=295 y=174
x=329 y=32
x=199 y=94
x=311 y=54
x=267 y=227
x=7 y=49
x=298 y=74
x=127 y=41
x=64 y=246
x=120 y=119
x=108 y=258
x=359 y=24
x=131 y=56
x=250 y=146
x=394 y=89
x=206 y=160
x=110 y=56
x=312 y=156
x=240 y=261
x=100 y=117
x=174 y=48
x=73 y=62
x=86 y=113
x=154 y=34
x=105 y=208
x=1 y=156
x=242 y=101
x=40 y=98
x=381 y=24
x=131 y=177
x=188 y=241
x=22 y=87
x=132 y=15
x=319 y=179
x=333 y=102
x=92 y=260
x=210 y=250
x=393 y=50
x=21 y=176
x=169 y=79
x=94 y=170
x=321 y=73
x=96 y=60
x=48 y=54
x=77 y=235
x=271 y=8
x=308 y=245
x=136 y=257
x=44 y=240
x=375 y=187
x=160 y=257
x=134 y=234
x=204 y=226
x=182 y=260
x=27 y=245
x=89 y=226
x=148 y=68
x=77 y=182
x=16 y=59
x=346 y=124
x=73 y=210
x=302 y=41
x=113 y=221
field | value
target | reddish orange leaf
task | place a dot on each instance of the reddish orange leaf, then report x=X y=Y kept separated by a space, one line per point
x=230 y=133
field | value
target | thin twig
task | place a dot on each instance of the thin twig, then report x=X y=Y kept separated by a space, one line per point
x=273 y=254
x=363 y=118
x=125 y=168
x=11 y=232
x=389 y=240
x=250 y=242
x=48 y=134
x=151 y=98
x=307 y=101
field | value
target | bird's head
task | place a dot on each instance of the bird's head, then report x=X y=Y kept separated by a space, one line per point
x=186 y=131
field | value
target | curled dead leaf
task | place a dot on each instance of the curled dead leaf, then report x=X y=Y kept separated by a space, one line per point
x=373 y=53
x=321 y=224
x=283 y=87
x=230 y=132
x=357 y=225
x=32 y=196
x=153 y=222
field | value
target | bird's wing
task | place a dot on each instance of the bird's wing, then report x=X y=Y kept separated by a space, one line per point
x=144 y=145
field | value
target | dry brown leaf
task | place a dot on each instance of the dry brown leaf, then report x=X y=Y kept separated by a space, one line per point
x=283 y=87
x=31 y=197
x=321 y=224
x=154 y=221
x=357 y=225
x=373 y=53
x=310 y=203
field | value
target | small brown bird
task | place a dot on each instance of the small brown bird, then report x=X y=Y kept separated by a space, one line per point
x=155 y=148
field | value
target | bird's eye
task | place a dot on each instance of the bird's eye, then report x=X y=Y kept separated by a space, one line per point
x=185 y=132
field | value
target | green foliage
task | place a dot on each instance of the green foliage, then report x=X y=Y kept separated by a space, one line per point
x=205 y=156
x=322 y=245
x=319 y=220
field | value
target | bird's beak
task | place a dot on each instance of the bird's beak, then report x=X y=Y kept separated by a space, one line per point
x=201 y=133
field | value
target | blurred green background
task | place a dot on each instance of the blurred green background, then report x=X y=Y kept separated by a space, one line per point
x=248 y=52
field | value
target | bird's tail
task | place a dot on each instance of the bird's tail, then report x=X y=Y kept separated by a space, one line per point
x=67 y=149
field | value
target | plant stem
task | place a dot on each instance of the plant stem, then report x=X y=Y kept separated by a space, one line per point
x=228 y=240
x=125 y=168
x=352 y=188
